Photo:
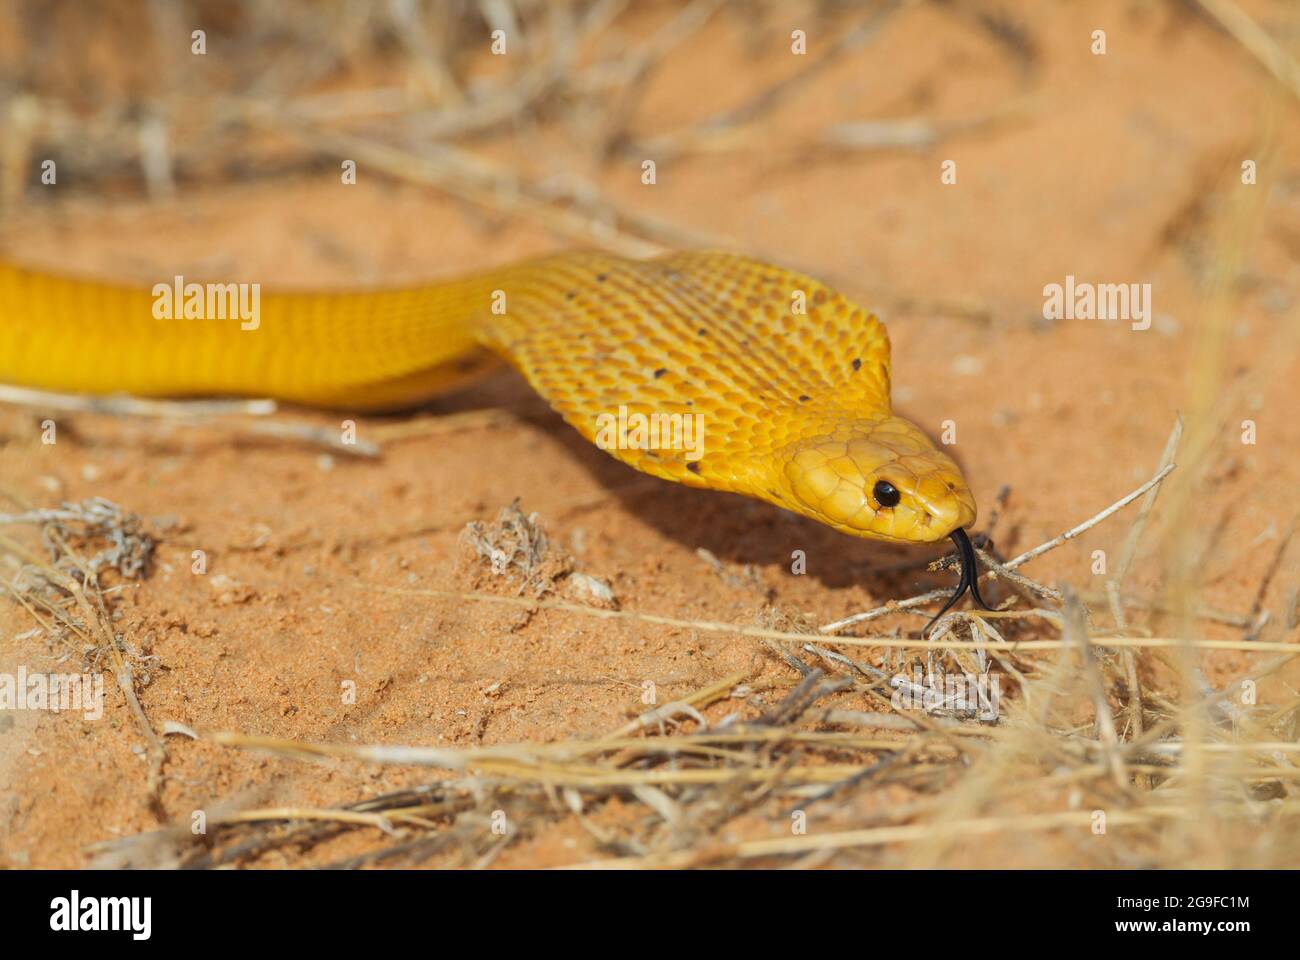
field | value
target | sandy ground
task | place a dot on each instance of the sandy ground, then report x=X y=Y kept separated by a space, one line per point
x=1112 y=169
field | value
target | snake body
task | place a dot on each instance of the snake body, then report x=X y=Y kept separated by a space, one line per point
x=790 y=379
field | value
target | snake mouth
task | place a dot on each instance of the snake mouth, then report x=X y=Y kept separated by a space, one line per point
x=969 y=574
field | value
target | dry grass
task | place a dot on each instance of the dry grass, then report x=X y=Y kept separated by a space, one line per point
x=1076 y=743
x=68 y=601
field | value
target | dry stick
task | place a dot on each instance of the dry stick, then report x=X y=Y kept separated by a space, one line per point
x=383 y=821
x=521 y=765
x=879 y=836
x=125 y=678
x=455 y=173
x=123 y=405
x=630 y=73
x=715 y=626
x=1175 y=747
x=701 y=697
x=891 y=721
x=593 y=219
x=459 y=758
x=1202 y=612
x=190 y=410
x=919 y=133
x=1028 y=586
x=494 y=105
x=896 y=605
x=505 y=102
x=1257 y=42
x=1093 y=521
x=788 y=658
x=1259 y=617
x=43 y=515
x=1129 y=551
x=420 y=426
x=95 y=623
x=1212 y=391
x=1127 y=554
x=673 y=144
x=1231 y=689
x=328 y=437
x=521 y=758
x=1076 y=630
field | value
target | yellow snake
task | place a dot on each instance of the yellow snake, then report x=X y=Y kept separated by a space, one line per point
x=790 y=380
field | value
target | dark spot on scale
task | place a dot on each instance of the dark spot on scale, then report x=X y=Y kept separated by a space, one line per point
x=602 y=277
x=703 y=332
x=660 y=372
x=693 y=466
x=857 y=364
x=804 y=398
x=570 y=294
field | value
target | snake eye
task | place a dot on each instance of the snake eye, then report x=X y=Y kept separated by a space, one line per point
x=886 y=493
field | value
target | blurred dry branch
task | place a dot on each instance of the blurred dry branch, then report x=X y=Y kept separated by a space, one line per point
x=409 y=91
x=1256 y=40
x=286 y=95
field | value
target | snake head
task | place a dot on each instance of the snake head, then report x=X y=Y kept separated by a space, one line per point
x=880 y=479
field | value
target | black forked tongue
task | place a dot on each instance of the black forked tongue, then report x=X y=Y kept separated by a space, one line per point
x=969 y=575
